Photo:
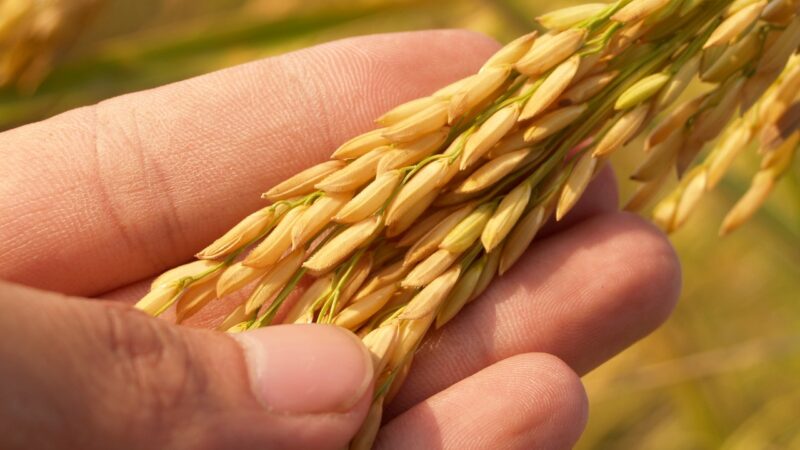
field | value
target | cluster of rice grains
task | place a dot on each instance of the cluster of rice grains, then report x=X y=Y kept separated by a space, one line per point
x=409 y=222
x=32 y=33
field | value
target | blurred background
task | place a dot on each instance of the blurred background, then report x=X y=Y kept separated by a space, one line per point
x=725 y=370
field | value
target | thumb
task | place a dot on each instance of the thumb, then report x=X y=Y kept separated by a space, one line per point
x=77 y=373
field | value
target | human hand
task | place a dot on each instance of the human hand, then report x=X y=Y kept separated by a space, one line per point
x=100 y=199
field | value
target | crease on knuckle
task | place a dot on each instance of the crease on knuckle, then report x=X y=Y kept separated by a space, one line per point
x=156 y=364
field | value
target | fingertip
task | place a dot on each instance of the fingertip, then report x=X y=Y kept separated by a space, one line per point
x=306 y=369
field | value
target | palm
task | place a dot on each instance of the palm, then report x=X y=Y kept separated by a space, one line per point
x=103 y=198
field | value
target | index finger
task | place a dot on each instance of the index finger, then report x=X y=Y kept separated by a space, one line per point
x=102 y=196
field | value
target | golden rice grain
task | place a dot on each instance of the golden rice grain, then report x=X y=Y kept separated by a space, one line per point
x=492 y=172
x=303 y=183
x=430 y=268
x=370 y=199
x=236 y=277
x=551 y=88
x=417 y=125
x=343 y=245
x=623 y=130
x=317 y=217
x=520 y=238
x=274 y=280
x=427 y=301
x=551 y=50
x=576 y=183
x=489 y=134
x=506 y=216
x=279 y=240
x=553 y=122
x=354 y=175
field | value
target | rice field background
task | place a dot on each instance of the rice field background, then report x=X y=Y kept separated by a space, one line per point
x=724 y=372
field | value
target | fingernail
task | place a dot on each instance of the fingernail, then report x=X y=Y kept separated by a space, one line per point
x=306 y=369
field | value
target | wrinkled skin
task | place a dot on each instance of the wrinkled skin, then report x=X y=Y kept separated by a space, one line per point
x=99 y=200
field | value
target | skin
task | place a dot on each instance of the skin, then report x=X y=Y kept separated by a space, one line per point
x=100 y=199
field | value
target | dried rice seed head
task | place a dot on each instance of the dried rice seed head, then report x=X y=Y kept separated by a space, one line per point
x=188 y=270
x=623 y=130
x=735 y=25
x=492 y=172
x=425 y=181
x=468 y=230
x=365 y=437
x=406 y=110
x=731 y=144
x=428 y=300
x=692 y=192
x=642 y=91
x=489 y=134
x=354 y=175
x=426 y=271
x=358 y=312
x=565 y=18
x=236 y=277
x=361 y=145
x=358 y=276
x=370 y=199
x=320 y=287
x=638 y=10
x=411 y=153
x=478 y=90
x=735 y=58
x=576 y=184
x=511 y=142
x=380 y=343
x=423 y=227
x=520 y=238
x=553 y=122
x=194 y=299
x=551 y=50
x=414 y=127
x=158 y=299
x=461 y=293
x=644 y=194
x=675 y=121
x=343 y=245
x=678 y=83
x=279 y=240
x=661 y=158
x=240 y=235
x=410 y=217
x=317 y=217
x=588 y=88
x=506 y=216
x=551 y=88
x=303 y=183
x=274 y=281
x=234 y=318
x=511 y=52
x=431 y=240
x=711 y=122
